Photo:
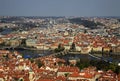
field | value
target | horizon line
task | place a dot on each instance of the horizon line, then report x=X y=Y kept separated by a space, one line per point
x=52 y=16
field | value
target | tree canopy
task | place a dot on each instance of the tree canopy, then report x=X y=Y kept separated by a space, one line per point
x=86 y=23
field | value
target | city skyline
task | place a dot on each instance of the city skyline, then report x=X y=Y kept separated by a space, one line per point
x=59 y=8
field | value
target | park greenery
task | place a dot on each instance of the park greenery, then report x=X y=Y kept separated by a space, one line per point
x=100 y=65
x=86 y=23
x=39 y=63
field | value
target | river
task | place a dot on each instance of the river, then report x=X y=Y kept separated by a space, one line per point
x=32 y=53
x=86 y=57
x=6 y=31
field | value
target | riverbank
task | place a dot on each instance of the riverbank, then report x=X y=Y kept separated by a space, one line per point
x=21 y=47
x=35 y=53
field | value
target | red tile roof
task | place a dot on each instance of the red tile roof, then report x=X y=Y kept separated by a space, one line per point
x=68 y=69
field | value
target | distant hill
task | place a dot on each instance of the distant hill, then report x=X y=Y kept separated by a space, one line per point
x=86 y=23
x=10 y=19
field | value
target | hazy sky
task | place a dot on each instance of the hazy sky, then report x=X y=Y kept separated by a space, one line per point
x=60 y=7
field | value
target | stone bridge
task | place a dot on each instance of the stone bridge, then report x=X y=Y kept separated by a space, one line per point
x=56 y=54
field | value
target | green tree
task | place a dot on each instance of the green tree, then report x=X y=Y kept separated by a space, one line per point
x=112 y=67
x=117 y=70
x=31 y=60
x=82 y=65
x=85 y=31
x=39 y=64
x=66 y=74
x=20 y=80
